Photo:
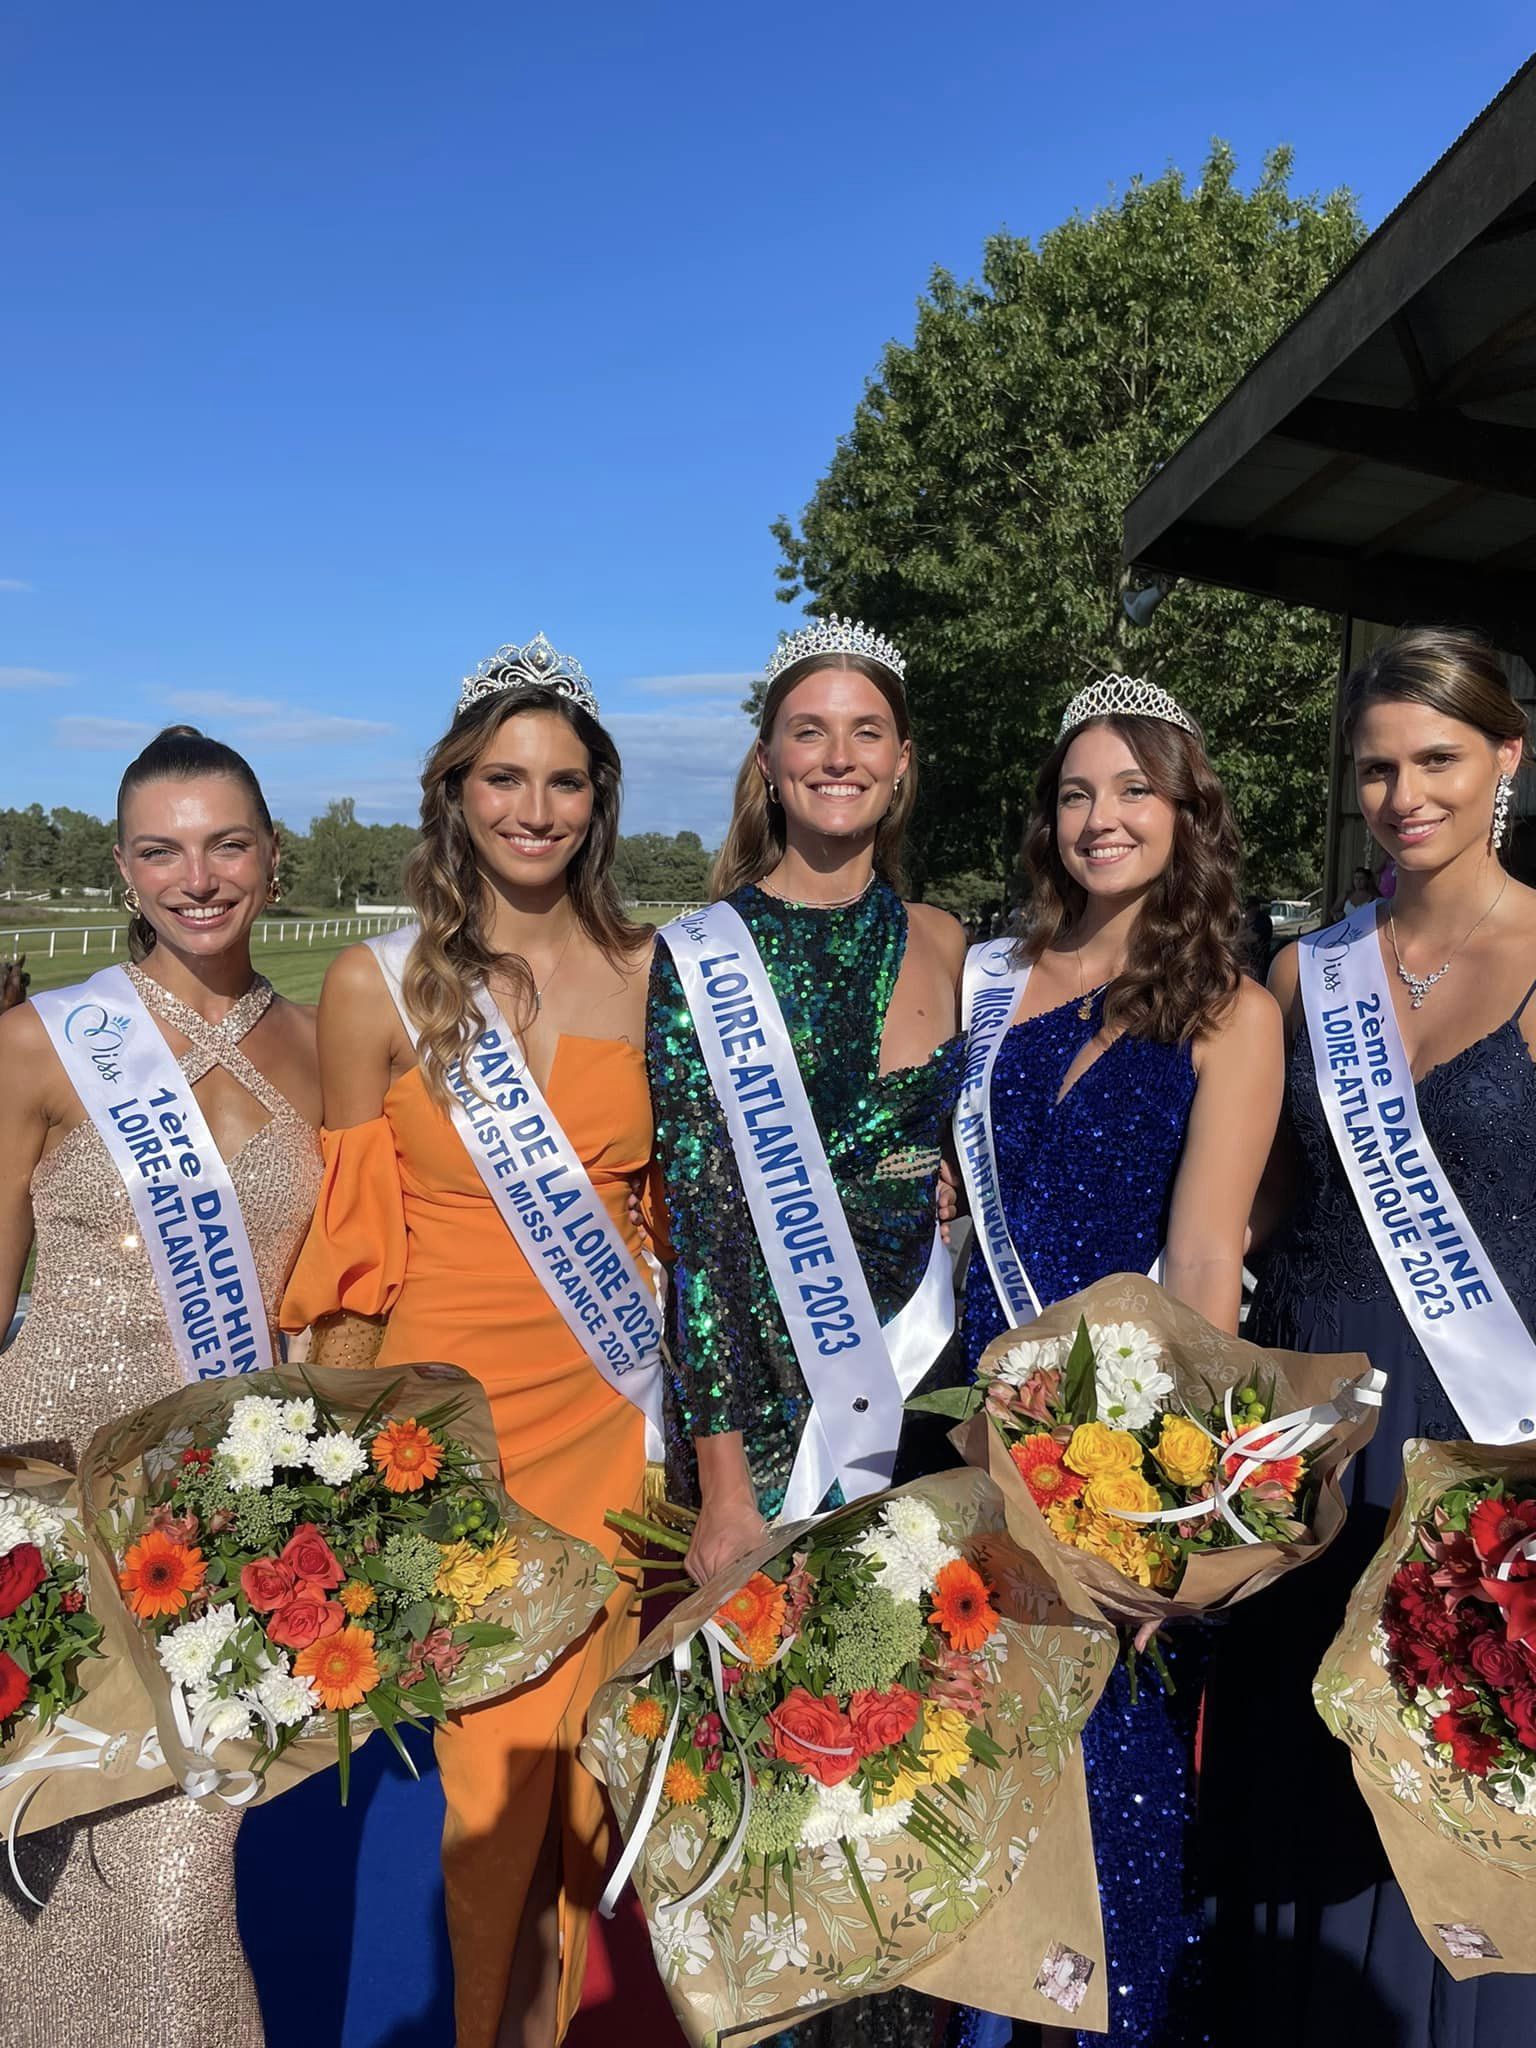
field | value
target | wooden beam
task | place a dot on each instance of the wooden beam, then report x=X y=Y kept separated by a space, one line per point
x=1310 y=488
x=1415 y=523
x=1435 y=443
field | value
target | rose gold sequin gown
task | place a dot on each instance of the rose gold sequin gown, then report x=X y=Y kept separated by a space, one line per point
x=137 y=1946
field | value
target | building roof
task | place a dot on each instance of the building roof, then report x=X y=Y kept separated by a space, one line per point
x=1380 y=457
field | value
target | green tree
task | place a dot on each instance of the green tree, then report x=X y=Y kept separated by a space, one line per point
x=28 y=848
x=83 y=850
x=973 y=511
x=334 y=856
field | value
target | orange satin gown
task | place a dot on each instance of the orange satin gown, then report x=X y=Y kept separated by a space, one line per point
x=405 y=1228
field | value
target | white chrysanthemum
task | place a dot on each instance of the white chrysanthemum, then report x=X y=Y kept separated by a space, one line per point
x=336 y=1458
x=885 y=1820
x=298 y=1417
x=253 y=1419
x=1128 y=1379
x=189 y=1654
x=25 y=1519
x=290 y=1447
x=1029 y=1355
x=831 y=1816
x=229 y=1721
x=247 y=1466
x=911 y=1519
x=13 y=1530
x=909 y=1562
x=287 y=1699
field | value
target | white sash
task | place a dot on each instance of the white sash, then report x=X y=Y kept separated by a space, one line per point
x=184 y=1202
x=989 y=995
x=542 y=1192
x=1445 y=1283
x=857 y=1374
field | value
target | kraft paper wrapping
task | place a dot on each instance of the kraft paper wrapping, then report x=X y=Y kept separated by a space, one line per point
x=1466 y=1864
x=738 y=1969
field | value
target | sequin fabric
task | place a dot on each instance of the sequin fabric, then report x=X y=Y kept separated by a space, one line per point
x=1087 y=1179
x=833 y=972
x=137 y=1942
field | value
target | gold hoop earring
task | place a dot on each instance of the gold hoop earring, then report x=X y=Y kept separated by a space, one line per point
x=131 y=900
x=772 y=789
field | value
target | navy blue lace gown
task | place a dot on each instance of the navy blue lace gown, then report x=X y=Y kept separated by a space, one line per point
x=1310 y=1941
x=1086 y=1183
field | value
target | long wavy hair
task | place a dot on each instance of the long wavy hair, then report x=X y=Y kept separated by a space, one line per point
x=754 y=844
x=180 y=753
x=453 y=956
x=1183 y=967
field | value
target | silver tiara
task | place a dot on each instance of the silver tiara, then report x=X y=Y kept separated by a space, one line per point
x=1123 y=697
x=536 y=666
x=835 y=636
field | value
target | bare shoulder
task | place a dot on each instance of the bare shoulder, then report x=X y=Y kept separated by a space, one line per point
x=354 y=976
x=1285 y=977
x=1251 y=1031
x=938 y=933
x=25 y=1047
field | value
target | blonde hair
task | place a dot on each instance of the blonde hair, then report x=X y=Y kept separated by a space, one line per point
x=452 y=958
x=754 y=843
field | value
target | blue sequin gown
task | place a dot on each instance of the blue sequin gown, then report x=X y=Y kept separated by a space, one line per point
x=1086 y=1183
x=1310 y=1939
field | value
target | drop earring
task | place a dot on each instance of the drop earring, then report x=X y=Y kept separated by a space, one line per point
x=1501 y=802
x=131 y=900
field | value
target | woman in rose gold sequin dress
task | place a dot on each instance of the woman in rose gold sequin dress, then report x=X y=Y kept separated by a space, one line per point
x=137 y=1945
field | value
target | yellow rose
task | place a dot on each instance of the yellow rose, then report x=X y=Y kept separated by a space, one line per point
x=1184 y=1451
x=945 y=1751
x=1096 y=1448
x=1120 y=1493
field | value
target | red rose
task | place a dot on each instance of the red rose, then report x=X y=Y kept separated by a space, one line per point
x=816 y=1735
x=1520 y=1705
x=305 y=1619
x=267 y=1584
x=13 y=1683
x=22 y=1571
x=308 y=1556
x=1471 y=1750
x=1498 y=1663
x=882 y=1718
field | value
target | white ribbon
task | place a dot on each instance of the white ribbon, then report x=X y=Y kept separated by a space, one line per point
x=1265 y=1443
x=157 y=1137
x=1525 y=1549
x=989 y=995
x=543 y=1193
x=1446 y=1285
x=857 y=1386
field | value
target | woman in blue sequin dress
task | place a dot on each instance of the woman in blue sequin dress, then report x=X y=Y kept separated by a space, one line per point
x=1133 y=1102
x=1311 y=1940
x=869 y=990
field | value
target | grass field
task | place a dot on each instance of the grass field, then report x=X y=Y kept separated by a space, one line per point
x=294 y=969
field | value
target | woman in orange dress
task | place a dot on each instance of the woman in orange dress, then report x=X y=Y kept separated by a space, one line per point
x=520 y=933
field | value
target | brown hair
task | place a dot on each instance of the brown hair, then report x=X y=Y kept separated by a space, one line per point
x=1453 y=672
x=1182 y=970
x=452 y=956
x=754 y=843
x=181 y=753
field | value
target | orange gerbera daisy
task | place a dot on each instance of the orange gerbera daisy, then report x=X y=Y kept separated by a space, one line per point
x=1281 y=1473
x=682 y=1784
x=1040 y=1466
x=357 y=1596
x=645 y=1717
x=158 y=1574
x=342 y=1666
x=407 y=1455
x=963 y=1605
x=754 y=1618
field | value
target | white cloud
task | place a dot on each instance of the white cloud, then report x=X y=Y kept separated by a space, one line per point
x=13 y=583
x=101 y=735
x=33 y=679
x=679 y=770
x=267 y=721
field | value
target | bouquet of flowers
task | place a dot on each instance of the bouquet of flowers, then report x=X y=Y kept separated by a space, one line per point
x=310 y=1554
x=1431 y=1683
x=830 y=1764
x=1155 y=1465
x=46 y=1630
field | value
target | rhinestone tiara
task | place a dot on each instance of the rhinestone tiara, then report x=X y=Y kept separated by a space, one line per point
x=835 y=636
x=1124 y=697
x=536 y=666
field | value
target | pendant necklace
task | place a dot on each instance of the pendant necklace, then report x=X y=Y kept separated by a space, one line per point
x=538 y=993
x=1085 y=1001
x=1419 y=985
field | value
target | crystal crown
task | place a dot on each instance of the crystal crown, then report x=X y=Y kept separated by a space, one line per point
x=835 y=636
x=1123 y=697
x=536 y=666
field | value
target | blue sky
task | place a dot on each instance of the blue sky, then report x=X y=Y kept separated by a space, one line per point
x=342 y=342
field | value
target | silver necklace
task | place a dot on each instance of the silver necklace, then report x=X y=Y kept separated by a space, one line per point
x=838 y=903
x=1419 y=985
x=538 y=993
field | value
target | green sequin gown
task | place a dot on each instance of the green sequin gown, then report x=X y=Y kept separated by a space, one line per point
x=833 y=972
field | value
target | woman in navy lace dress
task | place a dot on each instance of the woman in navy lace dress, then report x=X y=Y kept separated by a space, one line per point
x=1133 y=1102
x=1312 y=1942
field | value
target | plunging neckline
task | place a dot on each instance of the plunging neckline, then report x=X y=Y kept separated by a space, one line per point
x=1060 y=1098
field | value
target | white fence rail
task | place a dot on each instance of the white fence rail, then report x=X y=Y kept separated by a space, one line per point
x=43 y=943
